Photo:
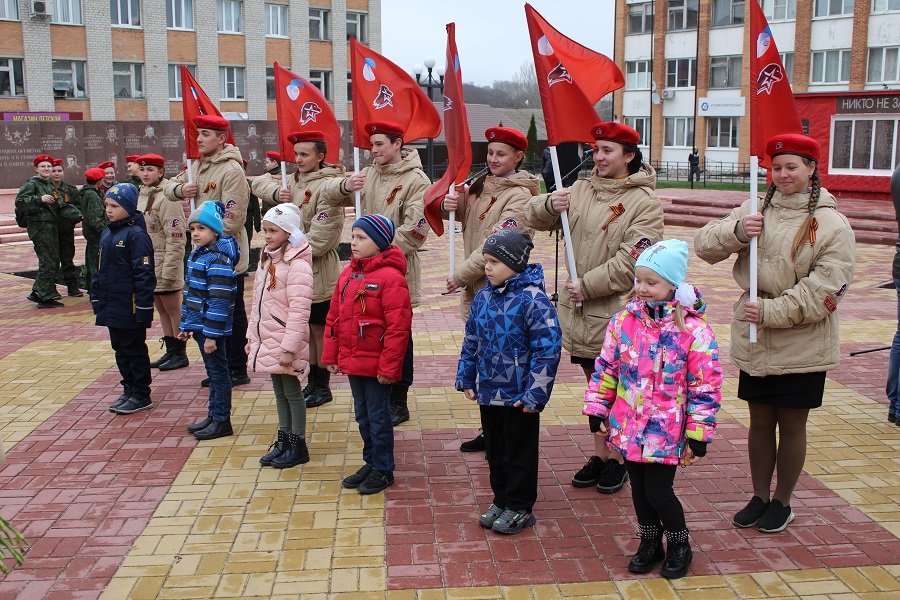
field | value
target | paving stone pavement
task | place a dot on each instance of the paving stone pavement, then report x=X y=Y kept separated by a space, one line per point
x=134 y=507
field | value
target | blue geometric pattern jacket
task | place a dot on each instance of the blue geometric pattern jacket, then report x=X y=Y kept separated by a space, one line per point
x=513 y=342
x=210 y=289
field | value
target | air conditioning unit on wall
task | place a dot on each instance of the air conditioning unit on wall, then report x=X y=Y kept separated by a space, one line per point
x=668 y=94
x=40 y=8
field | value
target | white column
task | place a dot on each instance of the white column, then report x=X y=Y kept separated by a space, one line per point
x=339 y=58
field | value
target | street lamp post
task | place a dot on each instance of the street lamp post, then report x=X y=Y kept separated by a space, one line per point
x=429 y=83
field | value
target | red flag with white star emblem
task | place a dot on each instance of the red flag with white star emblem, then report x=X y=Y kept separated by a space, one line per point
x=300 y=106
x=194 y=103
x=772 y=107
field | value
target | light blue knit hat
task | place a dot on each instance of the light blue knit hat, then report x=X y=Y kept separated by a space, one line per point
x=668 y=259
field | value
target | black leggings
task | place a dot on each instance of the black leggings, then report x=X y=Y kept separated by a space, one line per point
x=654 y=496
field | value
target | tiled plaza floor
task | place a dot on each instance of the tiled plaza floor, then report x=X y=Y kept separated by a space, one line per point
x=134 y=507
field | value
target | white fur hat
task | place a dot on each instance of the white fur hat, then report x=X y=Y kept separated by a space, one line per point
x=287 y=217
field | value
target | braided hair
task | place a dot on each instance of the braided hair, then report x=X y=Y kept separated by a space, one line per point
x=808 y=228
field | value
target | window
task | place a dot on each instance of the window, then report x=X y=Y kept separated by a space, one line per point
x=277 y=20
x=780 y=10
x=831 y=8
x=319 y=24
x=725 y=71
x=681 y=72
x=358 y=26
x=66 y=12
x=228 y=16
x=128 y=80
x=727 y=12
x=682 y=14
x=175 y=80
x=787 y=60
x=722 y=132
x=637 y=75
x=349 y=88
x=68 y=79
x=679 y=131
x=231 y=83
x=180 y=14
x=830 y=66
x=865 y=144
x=881 y=6
x=125 y=12
x=641 y=125
x=270 y=82
x=640 y=18
x=9 y=10
x=883 y=65
x=322 y=80
x=12 y=81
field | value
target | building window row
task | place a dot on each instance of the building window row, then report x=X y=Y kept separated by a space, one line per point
x=883 y=6
x=125 y=13
x=833 y=8
x=640 y=18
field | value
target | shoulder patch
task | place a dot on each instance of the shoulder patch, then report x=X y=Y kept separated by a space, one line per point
x=841 y=291
x=321 y=217
x=176 y=222
x=829 y=303
x=422 y=224
x=230 y=204
x=641 y=245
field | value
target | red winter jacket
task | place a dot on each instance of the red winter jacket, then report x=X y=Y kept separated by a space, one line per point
x=368 y=325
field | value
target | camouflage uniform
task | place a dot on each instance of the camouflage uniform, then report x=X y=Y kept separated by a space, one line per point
x=68 y=194
x=42 y=231
x=254 y=215
x=93 y=225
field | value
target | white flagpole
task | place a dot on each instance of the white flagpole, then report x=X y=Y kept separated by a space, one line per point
x=452 y=238
x=190 y=175
x=564 y=216
x=357 y=194
x=283 y=175
x=754 y=266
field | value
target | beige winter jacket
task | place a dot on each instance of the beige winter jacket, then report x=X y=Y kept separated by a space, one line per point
x=612 y=221
x=166 y=225
x=221 y=177
x=501 y=204
x=317 y=194
x=798 y=329
x=397 y=191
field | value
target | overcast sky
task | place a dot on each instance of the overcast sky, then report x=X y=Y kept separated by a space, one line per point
x=491 y=35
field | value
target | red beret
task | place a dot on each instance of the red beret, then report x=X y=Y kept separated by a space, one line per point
x=305 y=136
x=107 y=165
x=42 y=158
x=507 y=135
x=244 y=160
x=132 y=157
x=214 y=122
x=57 y=162
x=615 y=132
x=94 y=175
x=274 y=155
x=385 y=127
x=793 y=143
x=149 y=160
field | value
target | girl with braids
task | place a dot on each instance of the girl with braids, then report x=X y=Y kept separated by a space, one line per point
x=806 y=262
x=316 y=189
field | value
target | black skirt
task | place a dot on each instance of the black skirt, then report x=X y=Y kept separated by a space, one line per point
x=584 y=363
x=318 y=311
x=793 y=390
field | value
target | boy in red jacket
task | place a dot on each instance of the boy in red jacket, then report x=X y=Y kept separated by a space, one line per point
x=366 y=333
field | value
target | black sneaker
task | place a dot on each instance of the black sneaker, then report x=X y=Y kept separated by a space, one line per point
x=133 y=405
x=50 y=304
x=512 y=522
x=474 y=445
x=590 y=473
x=239 y=378
x=319 y=396
x=488 y=517
x=32 y=297
x=352 y=482
x=199 y=425
x=205 y=382
x=214 y=430
x=73 y=291
x=750 y=514
x=892 y=418
x=776 y=518
x=613 y=478
x=119 y=402
x=376 y=482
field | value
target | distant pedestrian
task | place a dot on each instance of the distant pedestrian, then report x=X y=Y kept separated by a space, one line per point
x=94 y=222
x=694 y=164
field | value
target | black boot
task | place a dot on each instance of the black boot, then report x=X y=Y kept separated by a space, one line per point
x=311 y=382
x=399 y=409
x=295 y=453
x=215 y=429
x=678 y=555
x=194 y=428
x=169 y=342
x=649 y=552
x=178 y=358
x=276 y=449
x=321 y=394
x=73 y=291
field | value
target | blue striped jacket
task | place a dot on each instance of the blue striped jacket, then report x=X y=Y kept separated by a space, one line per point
x=210 y=289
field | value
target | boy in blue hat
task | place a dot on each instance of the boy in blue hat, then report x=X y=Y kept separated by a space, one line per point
x=122 y=294
x=207 y=313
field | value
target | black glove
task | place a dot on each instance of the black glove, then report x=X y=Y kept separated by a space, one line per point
x=698 y=448
x=594 y=423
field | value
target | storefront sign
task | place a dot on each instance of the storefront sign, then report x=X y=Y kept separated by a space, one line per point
x=42 y=116
x=721 y=107
x=882 y=104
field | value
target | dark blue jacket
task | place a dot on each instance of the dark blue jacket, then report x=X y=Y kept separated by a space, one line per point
x=122 y=288
x=513 y=342
x=210 y=289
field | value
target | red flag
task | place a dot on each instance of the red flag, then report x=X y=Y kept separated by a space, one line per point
x=300 y=106
x=456 y=132
x=382 y=91
x=772 y=108
x=195 y=102
x=571 y=79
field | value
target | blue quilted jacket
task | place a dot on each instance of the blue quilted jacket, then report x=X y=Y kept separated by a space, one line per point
x=512 y=345
x=210 y=289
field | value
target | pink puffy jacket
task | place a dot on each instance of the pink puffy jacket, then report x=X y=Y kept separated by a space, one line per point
x=279 y=320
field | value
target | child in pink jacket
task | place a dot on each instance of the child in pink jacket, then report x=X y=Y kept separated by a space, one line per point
x=279 y=329
x=657 y=386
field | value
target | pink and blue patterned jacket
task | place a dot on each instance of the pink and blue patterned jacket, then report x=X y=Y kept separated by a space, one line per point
x=657 y=385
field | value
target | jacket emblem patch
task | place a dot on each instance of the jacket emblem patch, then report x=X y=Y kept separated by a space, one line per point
x=176 y=222
x=120 y=244
x=372 y=286
x=422 y=224
x=829 y=303
x=146 y=260
x=841 y=291
x=321 y=217
x=639 y=247
x=230 y=204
